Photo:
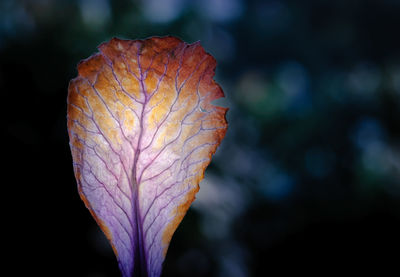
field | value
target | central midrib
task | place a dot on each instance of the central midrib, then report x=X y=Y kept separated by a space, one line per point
x=140 y=260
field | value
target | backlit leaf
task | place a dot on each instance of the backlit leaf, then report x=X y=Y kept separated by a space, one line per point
x=142 y=131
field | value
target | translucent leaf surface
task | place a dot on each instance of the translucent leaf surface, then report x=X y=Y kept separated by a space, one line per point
x=142 y=131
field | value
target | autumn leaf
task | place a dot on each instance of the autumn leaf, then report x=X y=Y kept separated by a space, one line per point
x=142 y=131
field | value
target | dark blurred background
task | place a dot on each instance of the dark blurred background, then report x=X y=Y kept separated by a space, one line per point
x=307 y=178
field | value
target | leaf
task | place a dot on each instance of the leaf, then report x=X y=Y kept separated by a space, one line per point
x=142 y=131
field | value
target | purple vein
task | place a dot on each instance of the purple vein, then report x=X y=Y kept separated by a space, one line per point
x=162 y=226
x=163 y=208
x=158 y=195
x=162 y=76
x=157 y=87
x=173 y=140
x=167 y=188
x=170 y=186
x=102 y=186
x=173 y=104
x=162 y=150
x=176 y=100
x=197 y=148
x=160 y=173
x=118 y=98
x=142 y=268
x=106 y=106
x=111 y=65
x=82 y=166
x=105 y=137
x=105 y=164
x=151 y=63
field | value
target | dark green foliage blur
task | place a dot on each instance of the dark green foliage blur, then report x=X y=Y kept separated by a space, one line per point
x=308 y=176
